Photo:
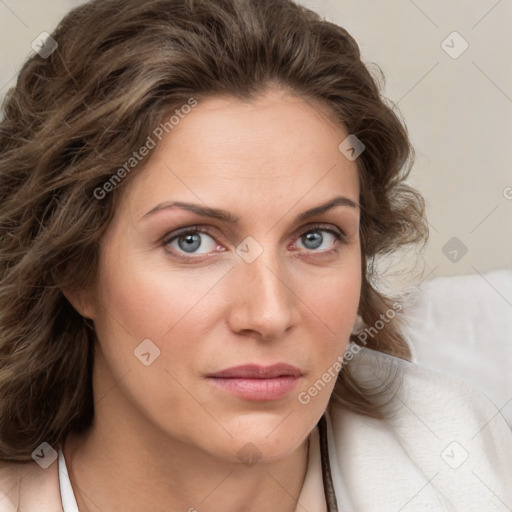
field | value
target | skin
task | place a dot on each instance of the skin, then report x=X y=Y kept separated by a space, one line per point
x=163 y=434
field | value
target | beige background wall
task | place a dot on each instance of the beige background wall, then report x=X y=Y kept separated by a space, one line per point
x=458 y=110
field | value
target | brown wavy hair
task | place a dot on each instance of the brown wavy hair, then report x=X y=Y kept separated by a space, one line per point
x=74 y=117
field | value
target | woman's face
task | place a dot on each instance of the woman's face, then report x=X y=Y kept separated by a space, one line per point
x=266 y=282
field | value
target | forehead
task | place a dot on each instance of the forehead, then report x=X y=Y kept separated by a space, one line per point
x=275 y=125
x=277 y=145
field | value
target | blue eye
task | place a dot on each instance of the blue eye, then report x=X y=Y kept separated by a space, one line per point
x=190 y=240
x=314 y=238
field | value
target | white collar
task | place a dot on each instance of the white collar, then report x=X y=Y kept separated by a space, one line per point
x=66 y=491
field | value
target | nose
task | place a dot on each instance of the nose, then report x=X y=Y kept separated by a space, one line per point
x=263 y=302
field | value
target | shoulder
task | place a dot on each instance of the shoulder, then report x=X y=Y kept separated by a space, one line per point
x=412 y=386
x=443 y=444
x=27 y=486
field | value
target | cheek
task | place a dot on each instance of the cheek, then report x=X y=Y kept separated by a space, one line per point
x=148 y=297
x=143 y=302
x=143 y=299
x=333 y=308
x=334 y=296
x=331 y=304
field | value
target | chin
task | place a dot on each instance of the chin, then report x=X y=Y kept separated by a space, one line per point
x=267 y=437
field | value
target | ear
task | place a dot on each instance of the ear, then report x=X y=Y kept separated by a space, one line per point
x=81 y=301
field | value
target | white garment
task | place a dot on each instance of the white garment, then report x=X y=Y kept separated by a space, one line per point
x=66 y=491
x=470 y=319
x=446 y=448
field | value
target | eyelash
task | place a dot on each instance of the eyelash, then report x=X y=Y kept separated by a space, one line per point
x=339 y=235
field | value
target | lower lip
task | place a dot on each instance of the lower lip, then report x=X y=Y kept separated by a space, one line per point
x=257 y=389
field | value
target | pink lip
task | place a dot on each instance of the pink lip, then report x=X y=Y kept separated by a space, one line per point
x=257 y=383
x=255 y=371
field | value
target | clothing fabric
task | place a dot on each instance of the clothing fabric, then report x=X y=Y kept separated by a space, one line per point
x=67 y=495
x=444 y=447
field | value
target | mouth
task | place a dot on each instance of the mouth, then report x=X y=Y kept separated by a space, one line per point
x=257 y=383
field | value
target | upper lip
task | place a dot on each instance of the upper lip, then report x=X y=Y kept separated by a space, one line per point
x=255 y=371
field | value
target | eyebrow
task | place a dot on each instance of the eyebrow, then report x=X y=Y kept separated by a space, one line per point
x=227 y=217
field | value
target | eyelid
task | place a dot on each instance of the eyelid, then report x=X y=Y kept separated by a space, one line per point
x=208 y=231
x=173 y=235
x=313 y=226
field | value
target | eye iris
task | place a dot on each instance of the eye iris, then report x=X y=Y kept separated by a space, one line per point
x=314 y=236
x=190 y=241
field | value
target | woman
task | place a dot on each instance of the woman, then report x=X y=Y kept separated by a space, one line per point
x=193 y=194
